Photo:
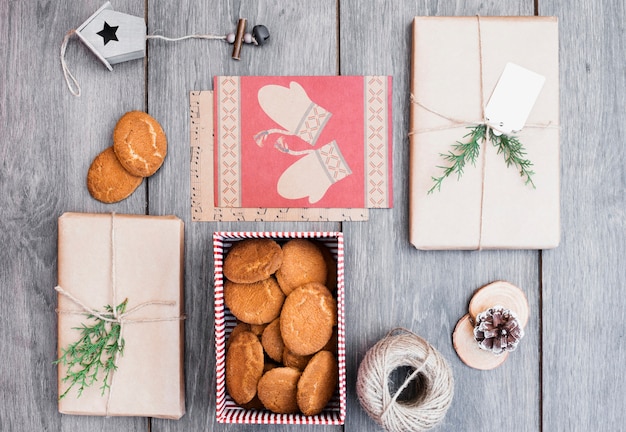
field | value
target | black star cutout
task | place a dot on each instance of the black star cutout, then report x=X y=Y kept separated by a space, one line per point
x=108 y=33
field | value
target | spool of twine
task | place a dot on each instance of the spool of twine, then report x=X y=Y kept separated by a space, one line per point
x=430 y=380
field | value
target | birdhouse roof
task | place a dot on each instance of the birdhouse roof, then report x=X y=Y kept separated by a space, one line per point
x=114 y=36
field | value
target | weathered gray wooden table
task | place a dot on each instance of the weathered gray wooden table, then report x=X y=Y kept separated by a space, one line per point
x=568 y=374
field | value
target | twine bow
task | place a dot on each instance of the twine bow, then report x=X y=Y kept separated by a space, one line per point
x=119 y=318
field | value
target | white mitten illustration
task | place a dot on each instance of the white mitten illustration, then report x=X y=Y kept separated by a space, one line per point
x=312 y=175
x=293 y=110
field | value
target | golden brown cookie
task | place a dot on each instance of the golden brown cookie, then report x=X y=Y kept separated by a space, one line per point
x=333 y=343
x=303 y=263
x=258 y=329
x=294 y=360
x=317 y=383
x=254 y=303
x=240 y=327
x=244 y=366
x=277 y=390
x=307 y=318
x=139 y=143
x=331 y=266
x=272 y=341
x=252 y=260
x=108 y=181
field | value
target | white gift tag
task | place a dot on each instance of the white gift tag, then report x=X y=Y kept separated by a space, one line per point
x=513 y=98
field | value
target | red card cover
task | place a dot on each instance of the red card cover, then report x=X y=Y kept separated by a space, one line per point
x=320 y=142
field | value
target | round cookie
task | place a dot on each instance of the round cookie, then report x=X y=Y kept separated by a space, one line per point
x=244 y=366
x=240 y=327
x=272 y=341
x=307 y=319
x=294 y=360
x=331 y=266
x=139 y=143
x=278 y=388
x=303 y=262
x=254 y=303
x=108 y=181
x=317 y=383
x=252 y=260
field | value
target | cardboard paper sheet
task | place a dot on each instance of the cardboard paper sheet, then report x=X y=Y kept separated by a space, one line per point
x=202 y=170
x=303 y=141
x=148 y=267
x=489 y=207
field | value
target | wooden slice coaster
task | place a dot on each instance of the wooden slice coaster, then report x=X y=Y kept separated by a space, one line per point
x=468 y=350
x=500 y=293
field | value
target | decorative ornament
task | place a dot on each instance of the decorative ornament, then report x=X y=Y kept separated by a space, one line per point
x=494 y=326
x=509 y=146
x=498 y=330
x=116 y=37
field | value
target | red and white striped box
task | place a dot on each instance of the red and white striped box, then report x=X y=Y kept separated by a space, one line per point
x=227 y=411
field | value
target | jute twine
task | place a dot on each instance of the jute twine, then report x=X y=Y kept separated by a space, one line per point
x=431 y=375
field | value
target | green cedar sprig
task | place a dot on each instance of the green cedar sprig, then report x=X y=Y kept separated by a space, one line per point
x=465 y=152
x=509 y=146
x=514 y=152
x=94 y=352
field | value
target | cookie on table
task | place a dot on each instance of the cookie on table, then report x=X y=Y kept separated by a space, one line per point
x=139 y=143
x=252 y=260
x=317 y=383
x=254 y=303
x=303 y=262
x=108 y=181
x=277 y=390
x=244 y=366
x=307 y=319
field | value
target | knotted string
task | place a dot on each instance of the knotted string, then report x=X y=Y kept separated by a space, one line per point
x=72 y=82
x=120 y=319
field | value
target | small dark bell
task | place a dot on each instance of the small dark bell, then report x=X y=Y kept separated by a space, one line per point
x=261 y=34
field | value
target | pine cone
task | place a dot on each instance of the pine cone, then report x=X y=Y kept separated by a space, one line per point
x=497 y=330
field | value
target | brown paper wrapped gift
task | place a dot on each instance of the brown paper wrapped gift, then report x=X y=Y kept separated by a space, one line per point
x=489 y=207
x=103 y=260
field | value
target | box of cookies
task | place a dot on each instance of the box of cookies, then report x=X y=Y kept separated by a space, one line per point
x=280 y=327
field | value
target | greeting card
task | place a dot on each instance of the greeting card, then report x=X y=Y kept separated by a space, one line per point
x=309 y=142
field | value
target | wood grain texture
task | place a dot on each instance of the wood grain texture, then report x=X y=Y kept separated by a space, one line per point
x=567 y=374
x=428 y=292
x=583 y=280
x=302 y=42
x=50 y=138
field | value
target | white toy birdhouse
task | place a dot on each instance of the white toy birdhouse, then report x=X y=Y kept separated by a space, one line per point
x=114 y=37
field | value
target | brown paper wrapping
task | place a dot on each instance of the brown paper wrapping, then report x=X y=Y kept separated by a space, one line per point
x=489 y=207
x=149 y=379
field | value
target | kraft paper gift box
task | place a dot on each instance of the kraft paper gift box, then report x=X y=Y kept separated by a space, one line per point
x=489 y=206
x=105 y=259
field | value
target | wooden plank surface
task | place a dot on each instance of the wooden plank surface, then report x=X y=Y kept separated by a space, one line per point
x=428 y=292
x=49 y=141
x=583 y=280
x=566 y=375
x=299 y=45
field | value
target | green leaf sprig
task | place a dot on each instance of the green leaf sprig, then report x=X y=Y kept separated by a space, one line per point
x=509 y=146
x=94 y=352
x=513 y=151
